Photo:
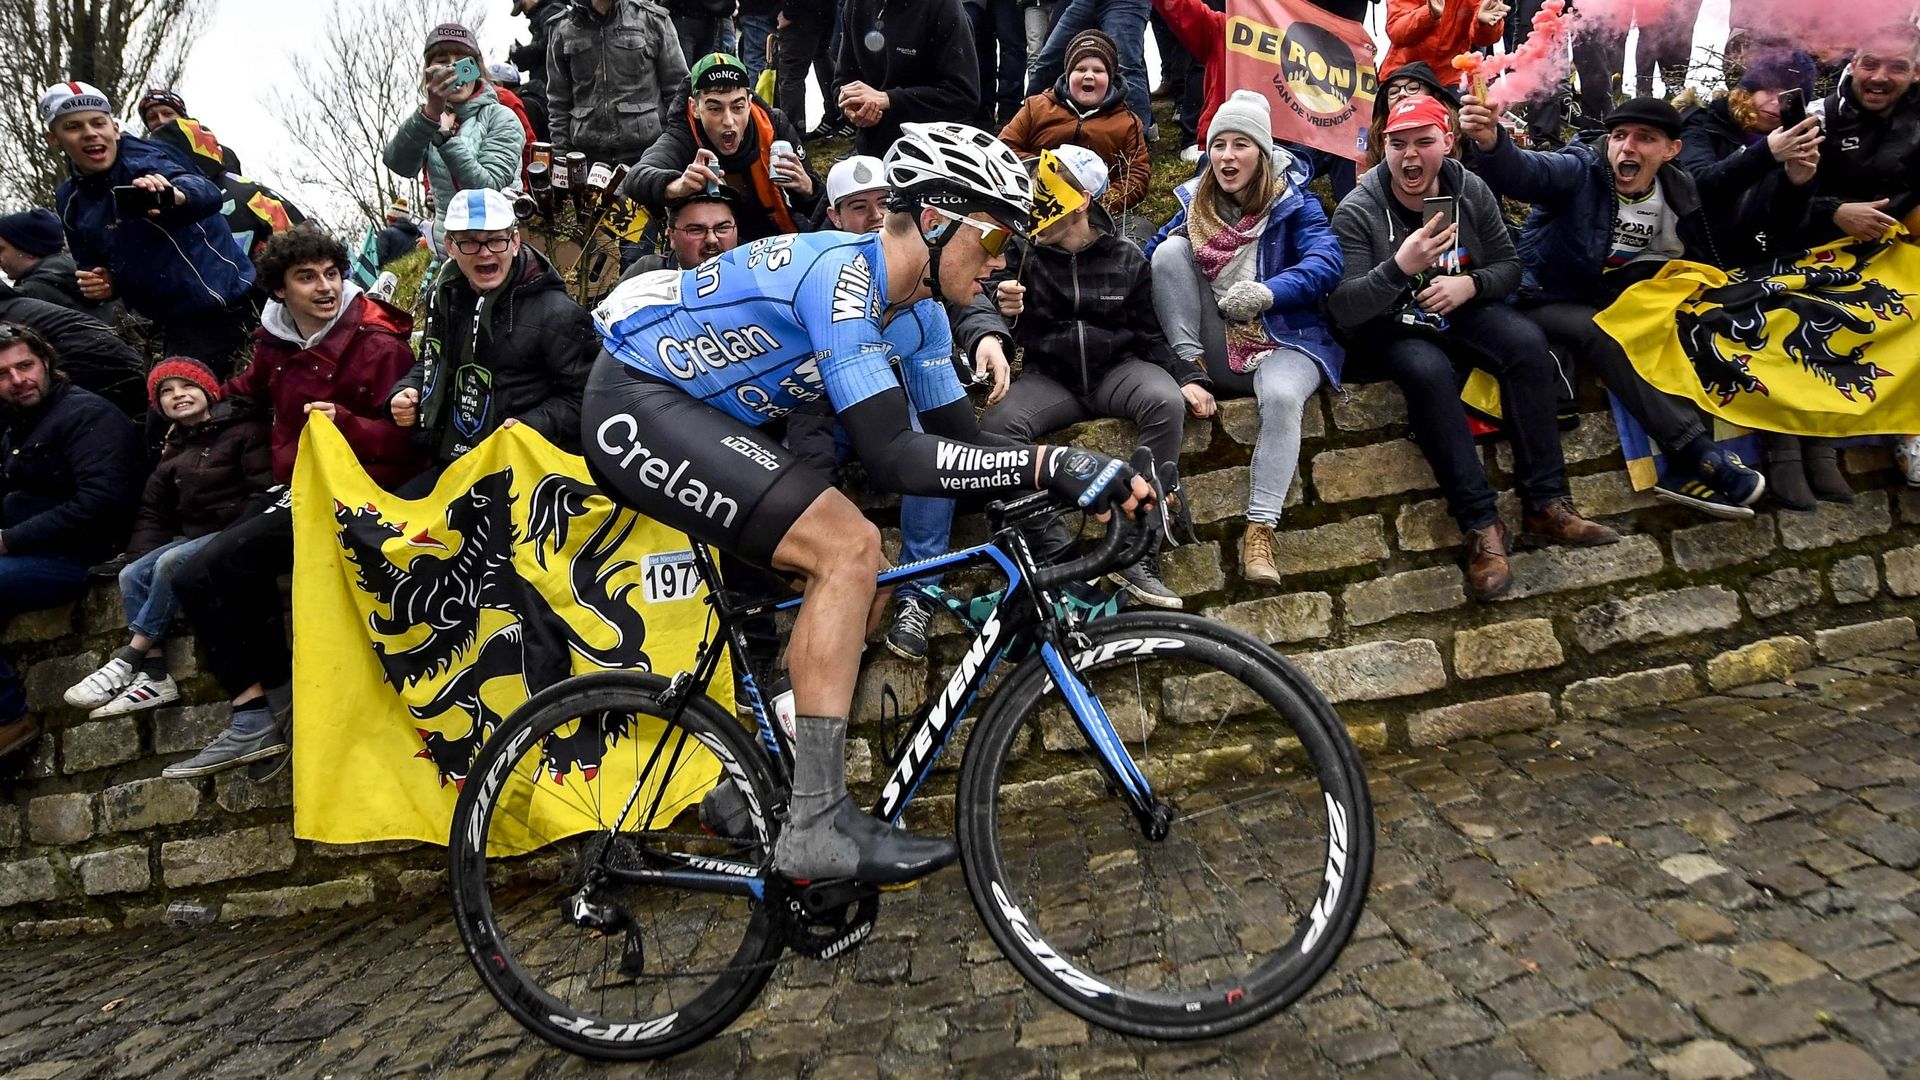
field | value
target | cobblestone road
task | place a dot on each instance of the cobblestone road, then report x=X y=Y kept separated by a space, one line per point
x=1722 y=888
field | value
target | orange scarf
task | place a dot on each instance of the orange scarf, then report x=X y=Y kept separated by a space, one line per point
x=770 y=196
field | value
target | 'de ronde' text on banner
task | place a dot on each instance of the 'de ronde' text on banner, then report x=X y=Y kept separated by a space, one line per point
x=1315 y=68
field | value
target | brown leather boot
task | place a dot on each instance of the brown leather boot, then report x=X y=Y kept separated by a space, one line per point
x=18 y=735
x=1256 y=554
x=1560 y=523
x=1488 y=574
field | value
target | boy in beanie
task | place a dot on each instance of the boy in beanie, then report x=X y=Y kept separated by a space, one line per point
x=1087 y=107
x=216 y=459
x=33 y=252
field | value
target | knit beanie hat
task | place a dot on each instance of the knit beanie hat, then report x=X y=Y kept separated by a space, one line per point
x=452 y=33
x=1094 y=43
x=159 y=96
x=1781 y=70
x=182 y=367
x=36 y=232
x=71 y=97
x=1246 y=112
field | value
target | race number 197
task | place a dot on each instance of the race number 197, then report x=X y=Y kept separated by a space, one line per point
x=670 y=576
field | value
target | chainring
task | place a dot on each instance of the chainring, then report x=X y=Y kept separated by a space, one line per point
x=822 y=932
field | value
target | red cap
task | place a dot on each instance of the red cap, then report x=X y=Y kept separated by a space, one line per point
x=1414 y=112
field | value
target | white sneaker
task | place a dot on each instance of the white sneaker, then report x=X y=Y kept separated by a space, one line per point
x=1906 y=458
x=1191 y=155
x=145 y=693
x=100 y=687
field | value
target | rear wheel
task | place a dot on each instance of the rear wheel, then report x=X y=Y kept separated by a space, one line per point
x=1262 y=873
x=585 y=780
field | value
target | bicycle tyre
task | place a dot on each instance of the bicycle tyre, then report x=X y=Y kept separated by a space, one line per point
x=499 y=788
x=1016 y=815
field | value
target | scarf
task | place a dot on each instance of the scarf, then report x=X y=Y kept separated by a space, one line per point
x=1216 y=243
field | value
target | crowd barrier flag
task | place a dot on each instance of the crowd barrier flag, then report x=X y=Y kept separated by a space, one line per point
x=1315 y=68
x=420 y=625
x=1821 y=343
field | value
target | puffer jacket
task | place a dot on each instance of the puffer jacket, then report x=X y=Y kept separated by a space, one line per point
x=1567 y=237
x=483 y=151
x=206 y=476
x=536 y=346
x=1866 y=157
x=1417 y=35
x=1300 y=262
x=178 y=266
x=1087 y=312
x=351 y=363
x=1053 y=119
x=70 y=470
x=611 y=79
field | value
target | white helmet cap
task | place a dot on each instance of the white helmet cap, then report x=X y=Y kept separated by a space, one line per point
x=961 y=169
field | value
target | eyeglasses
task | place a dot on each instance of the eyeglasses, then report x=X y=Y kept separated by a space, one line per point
x=701 y=232
x=1401 y=88
x=993 y=237
x=494 y=244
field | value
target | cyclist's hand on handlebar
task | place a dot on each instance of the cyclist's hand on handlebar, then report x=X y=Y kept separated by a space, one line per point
x=1093 y=481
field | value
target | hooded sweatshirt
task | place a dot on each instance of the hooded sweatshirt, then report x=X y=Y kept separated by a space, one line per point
x=1052 y=119
x=482 y=152
x=1372 y=286
x=351 y=362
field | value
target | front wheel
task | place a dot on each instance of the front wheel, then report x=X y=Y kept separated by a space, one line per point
x=1261 y=875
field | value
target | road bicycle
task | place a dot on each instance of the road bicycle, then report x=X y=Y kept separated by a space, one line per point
x=1163 y=825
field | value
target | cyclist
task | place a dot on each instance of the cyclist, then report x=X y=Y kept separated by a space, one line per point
x=696 y=360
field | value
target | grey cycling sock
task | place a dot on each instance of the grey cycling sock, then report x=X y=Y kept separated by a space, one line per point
x=810 y=845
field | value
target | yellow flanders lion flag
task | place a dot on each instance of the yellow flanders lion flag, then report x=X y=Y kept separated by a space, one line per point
x=1821 y=343
x=421 y=625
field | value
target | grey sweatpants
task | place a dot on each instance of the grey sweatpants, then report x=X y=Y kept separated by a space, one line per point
x=1183 y=299
x=1131 y=390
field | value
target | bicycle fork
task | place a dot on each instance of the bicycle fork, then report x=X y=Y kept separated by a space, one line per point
x=1123 y=776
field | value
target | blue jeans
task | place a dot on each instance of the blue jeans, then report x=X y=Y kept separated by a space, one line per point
x=753 y=52
x=1003 y=26
x=146 y=586
x=30 y=583
x=1125 y=21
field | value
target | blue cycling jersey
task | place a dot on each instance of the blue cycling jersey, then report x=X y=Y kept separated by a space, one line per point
x=771 y=325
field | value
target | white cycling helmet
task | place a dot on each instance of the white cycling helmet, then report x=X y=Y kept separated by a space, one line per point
x=961 y=169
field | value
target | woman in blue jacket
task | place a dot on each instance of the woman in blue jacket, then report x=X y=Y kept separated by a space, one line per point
x=1238 y=276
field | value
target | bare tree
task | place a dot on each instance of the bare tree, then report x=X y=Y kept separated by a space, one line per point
x=119 y=46
x=352 y=89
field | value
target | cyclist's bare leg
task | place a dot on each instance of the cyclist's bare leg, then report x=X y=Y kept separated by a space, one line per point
x=837 y=552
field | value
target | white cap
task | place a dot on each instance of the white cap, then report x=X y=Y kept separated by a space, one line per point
x=503 y=74
x=1088 y=170
x=853 y=176
x=71 y=97
x=480 y=210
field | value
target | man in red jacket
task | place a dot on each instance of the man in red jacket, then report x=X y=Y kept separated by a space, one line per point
x=323 y=347
x=1436 y=31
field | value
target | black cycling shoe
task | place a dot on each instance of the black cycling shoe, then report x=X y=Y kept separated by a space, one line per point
x=723 y=812
x=846 y=842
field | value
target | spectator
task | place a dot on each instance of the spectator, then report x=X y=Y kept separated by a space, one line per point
x=613 y=67
x=531 y=55
x=69 y=481
x=400 y=236
x=698 y=228
x=805 y=29
x=1606 y=214
x=178 y=265
x=217 y=459
x=1125 y=22
x=1000 y=45
x=726 y=139
x=1085 y=108
x=33 y=254
x=759 y=20
x=1091 y=343
x=705 y=26
x=1599 y=59
x=1436 y=31
x=1413 y=79
x=1238 y=277
x=462 y=136
x=504 y=343
x=506 y=83
x=323 y=347
x=857 y=195
x=1666 y=46
x=253 y=211
x=160 y=109
x=1202 y=29
x=904 y=61
x=1421 y=298
x=91 y=354
x=1869 y=164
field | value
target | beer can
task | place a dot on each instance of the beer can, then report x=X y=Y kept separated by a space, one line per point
x=774 y=153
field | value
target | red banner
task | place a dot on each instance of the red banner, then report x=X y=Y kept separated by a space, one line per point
x=1316 y=70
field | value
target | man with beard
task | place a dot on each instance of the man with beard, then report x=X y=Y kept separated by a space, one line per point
x=725 y=141
x=70 y=472
x=1607 y=213
x=504 y=344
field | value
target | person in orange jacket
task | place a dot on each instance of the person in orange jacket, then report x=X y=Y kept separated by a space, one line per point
x=1436 y=31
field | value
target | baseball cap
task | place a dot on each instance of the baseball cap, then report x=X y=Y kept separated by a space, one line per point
x=452 y=33
x=64 y=98
x=1088 y=170
x=1422 y=110
x=1650 y=111
x=854 y=175
x=480 y=210
x=719 y=71
x=504 y=74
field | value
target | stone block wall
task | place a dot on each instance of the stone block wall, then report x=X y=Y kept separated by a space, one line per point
x=1373 y=608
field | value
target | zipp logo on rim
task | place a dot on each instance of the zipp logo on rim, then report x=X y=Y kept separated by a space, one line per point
x=626 y=1033
x=1082 y=983
x=1336 y=876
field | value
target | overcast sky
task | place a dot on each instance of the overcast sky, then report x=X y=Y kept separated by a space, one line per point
x=242 y=55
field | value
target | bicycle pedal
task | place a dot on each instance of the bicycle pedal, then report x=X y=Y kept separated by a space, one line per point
x=901 y=886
